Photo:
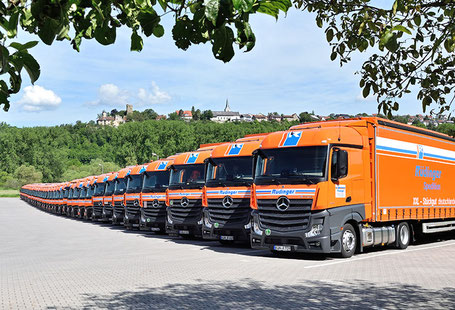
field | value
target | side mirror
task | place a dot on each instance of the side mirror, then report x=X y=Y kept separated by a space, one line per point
x=339 y=164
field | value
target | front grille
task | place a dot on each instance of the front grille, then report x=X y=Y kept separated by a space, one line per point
x=97 y=209
x=155 y=214
x=118 y=209
x=239 y=212
x=190 y=213
x=131 y=210
x=296 y=217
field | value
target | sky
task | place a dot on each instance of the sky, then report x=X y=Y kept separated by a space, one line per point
x=289 y=70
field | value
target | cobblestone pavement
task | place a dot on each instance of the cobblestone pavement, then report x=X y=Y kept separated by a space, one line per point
x=53 y=262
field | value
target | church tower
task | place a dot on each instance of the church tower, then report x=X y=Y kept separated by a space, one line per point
x=227 y=108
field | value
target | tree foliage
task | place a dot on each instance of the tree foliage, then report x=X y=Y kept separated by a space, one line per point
x=222 y=23
x=413 y=44
x=67 y=152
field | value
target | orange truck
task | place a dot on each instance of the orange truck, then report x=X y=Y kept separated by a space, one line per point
x=108 y=202
x=341 y=186
x=133 y=197
x=118 y=208
x=98 y=196
x=184 y=196
x=153 y=196
x=227 y=191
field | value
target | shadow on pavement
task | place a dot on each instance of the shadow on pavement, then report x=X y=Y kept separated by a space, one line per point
x=256 y=295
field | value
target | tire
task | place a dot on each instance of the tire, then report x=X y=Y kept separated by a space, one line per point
x=348 y=241
x=403 y=235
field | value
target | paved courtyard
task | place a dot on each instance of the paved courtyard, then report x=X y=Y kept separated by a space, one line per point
x=52 y=262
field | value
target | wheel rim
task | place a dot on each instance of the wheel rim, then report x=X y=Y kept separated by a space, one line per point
x=404 y=234
x=348 y=240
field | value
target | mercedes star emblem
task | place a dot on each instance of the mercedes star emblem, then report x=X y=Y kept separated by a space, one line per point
x=227 y=201
x=184 y=202
x=155 y=203
x=136 y=203
x=282 y=203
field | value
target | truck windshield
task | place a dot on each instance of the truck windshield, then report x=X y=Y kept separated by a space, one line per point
x=99 y=189
x=76 y=193
x=83 y=192
x=110 y=186
x=90 y=191
x=291 y=165
x=187 y=176
x=155 y=181
x=230 y=171
x=120 y=186
x=134 y=184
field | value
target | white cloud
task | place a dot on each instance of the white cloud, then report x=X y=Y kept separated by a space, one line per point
x=37 y=98
x=112 y=95
x=156 y=96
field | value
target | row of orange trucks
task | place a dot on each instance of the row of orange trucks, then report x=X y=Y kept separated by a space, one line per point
x=325 y=187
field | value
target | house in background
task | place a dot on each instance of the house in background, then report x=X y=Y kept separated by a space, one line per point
x=259 y=117
x=225 y=116
x=290 y=118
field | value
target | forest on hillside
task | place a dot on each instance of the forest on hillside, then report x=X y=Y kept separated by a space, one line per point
x=67 y=152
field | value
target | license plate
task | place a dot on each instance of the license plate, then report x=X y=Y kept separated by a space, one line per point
x=184 y=232
x=282 y=248
x=229 y=238
x=155 y=229
x=135 y=225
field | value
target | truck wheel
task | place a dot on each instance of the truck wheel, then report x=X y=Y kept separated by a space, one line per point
x=403 y=235
x=348 y=241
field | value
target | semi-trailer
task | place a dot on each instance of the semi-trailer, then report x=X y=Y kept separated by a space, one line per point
x=153 y=195
x=227 y=191
x=341 y=186
x=133 y=197
x=184 y=196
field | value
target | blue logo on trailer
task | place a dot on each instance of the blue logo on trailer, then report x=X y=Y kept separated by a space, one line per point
x=142 y=169
x=129 y=171
x=116 y=176
x=292 y=138
x=235 y=149
x=420 y=152
x=162 y=165
x=192 y=158
x=80 y=185
x=105 y=179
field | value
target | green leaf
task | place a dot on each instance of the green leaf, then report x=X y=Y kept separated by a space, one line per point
x=136 y=42
x=329 y=35
x=163 y=4
x=417 y=20
x=181 y=32
x=25 y=46
x=12 y=25
x=4 y=56
x=402 y=29
x=273 y=7
x=333 y=56
x=48 y=31
x=148 y=21
x=32 y=66
x=212 y=8
x=366 y=91
x=158 y=31
x=223 y=39
x=386 y=36
x=243 y=5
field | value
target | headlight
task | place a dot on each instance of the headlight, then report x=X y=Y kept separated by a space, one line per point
x=169 y=220
x=248 y=226
x=256 y=228
x=200 y=222
x=207 y=222
x=316 y=230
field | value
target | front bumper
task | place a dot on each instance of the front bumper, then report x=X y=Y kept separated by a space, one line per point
x=153 y=219
x=296 y=240
x=189 y=227
x=227 y=231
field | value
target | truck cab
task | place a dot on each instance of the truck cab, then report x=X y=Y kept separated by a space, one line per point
x=98 y=196
x=184 y=196
x=305 y=187
x=227 y=190
x=133 y=197
x=118 y=208
x=108 y=200
x=153 y=196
